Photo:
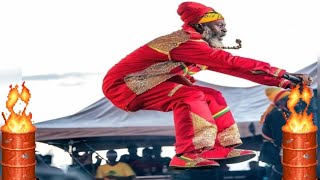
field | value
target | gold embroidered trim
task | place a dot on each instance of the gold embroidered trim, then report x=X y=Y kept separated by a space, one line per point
x=234 y=153
x=282 y=82
x=230 y=136
x=204 y=132
x=174 y=90
x=197 y=40
x=142 y=81
x=276 y=74
x=192 y=162
x=165 y=44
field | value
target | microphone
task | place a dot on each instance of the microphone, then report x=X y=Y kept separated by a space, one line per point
x=238 y=41
x=293 y=79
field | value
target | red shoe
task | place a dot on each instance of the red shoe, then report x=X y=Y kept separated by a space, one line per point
x=191 y=160
x=228 y=155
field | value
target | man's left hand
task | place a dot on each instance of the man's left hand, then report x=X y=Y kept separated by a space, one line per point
x=305 y=78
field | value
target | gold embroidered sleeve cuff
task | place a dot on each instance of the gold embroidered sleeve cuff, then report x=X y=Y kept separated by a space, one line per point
x=276 y=72
x=284 y=83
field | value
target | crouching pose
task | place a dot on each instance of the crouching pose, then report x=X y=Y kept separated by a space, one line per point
x=158 y=76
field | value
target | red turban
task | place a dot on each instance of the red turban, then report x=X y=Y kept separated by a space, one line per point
x=192 y=12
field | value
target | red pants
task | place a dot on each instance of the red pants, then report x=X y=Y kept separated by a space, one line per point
x=201 y=116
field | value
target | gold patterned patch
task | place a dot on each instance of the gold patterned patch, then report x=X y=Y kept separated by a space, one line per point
x=234 y=153
x=192 y=162
x=204 y=132
x=142 y=81
x=165 y=44
x=230 y=136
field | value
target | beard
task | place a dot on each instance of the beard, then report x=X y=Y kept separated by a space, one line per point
x=214 y=42
x=211 y=38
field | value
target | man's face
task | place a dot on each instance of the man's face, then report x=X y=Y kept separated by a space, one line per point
x=214 y=33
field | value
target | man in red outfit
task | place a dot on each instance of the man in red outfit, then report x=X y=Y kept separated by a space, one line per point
x=158 y=76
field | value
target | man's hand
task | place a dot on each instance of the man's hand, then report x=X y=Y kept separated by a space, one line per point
x=305 y=79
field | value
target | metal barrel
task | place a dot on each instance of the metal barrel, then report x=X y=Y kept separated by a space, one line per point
x=18 y=156
x=299 y=155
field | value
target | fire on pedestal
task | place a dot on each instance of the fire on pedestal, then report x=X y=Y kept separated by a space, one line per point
x=299 y=138
x=18 y=138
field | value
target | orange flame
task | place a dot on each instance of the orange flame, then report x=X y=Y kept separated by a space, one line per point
x=299 y=122
x=18 y=122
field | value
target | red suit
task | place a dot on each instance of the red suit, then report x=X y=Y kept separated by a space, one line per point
x=158 y=76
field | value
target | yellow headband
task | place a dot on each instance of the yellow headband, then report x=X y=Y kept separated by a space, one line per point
x=210 y=16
